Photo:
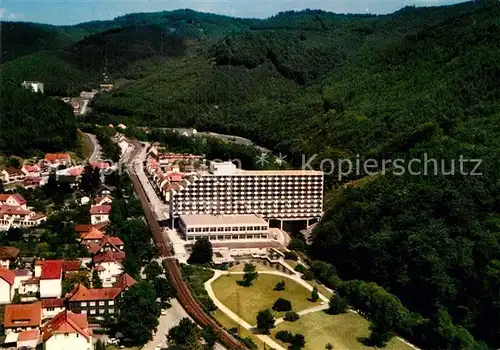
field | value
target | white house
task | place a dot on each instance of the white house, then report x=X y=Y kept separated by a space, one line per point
x=51 y=279
x=12 y=175
x=7 y=290
x=21 y=276
x=22 y=317
x=31 y=170
x=67 y=331
x=109 y=270
x=99 y=213
x=29 y=287
x=52 y=307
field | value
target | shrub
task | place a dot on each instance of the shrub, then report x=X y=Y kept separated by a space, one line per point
x=233 y=330
x=280 y=286
x=300 y=268
x=308 y=275
x=285 y=336
x=291 y=256
x=314 y=294
x=291 y=316
x=337 y=305
x=329 y=346
x=282 y=305
x=298 y=341
x=250 y=343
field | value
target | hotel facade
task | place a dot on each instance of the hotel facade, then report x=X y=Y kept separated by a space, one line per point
x=283 y=195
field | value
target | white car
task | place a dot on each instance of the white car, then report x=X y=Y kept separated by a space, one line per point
x=163 y=312
x=158 y=347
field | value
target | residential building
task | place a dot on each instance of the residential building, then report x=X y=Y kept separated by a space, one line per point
x=34 y=86
x=28 y=339
x=94 y=302
x=8 y=256
x=29 y=287
x=274 y=195
x=11 y=216
x=33 y=182
x=51 y=279
x=83 y=228
x=7 y=278
x=99 y=213
x=67 y=331
x=223 y=227
x=109 y=266
x=14 y=200
x=22 y=317
x=52 y=307
x=31 y=170
x=10 y=175
x=56 y=159
x=21 y=276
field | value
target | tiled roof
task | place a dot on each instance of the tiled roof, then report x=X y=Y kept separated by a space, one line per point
x=76 y=171
x=109 y=256
x=29 y=335
x=93 y=233
x=14 y=171
x=52 y=157
x=7 y=275
x=22 y=315
x=116 y=241
x=124 y=281
x=51 y=269
x=100 y=209
x=100 y=165
x=102 y=198
x=6 y=209
x=20 y=199
x=81 y=293
x=31 y=168
x=71 y=265
x=67 y=322
x=52 y=302
x=9 y=252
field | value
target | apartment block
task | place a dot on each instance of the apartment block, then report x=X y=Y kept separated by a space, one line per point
x=225 y=190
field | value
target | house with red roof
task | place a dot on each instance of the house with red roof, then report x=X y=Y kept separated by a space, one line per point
x=31 y=170
x=51 y=307
x=28 y=339
x=14 y=200
x=33 y=182
x=56 y=159
x=67 y=331
x=51 y=279
x=22 y=317
x=98 y=302
x=99 y=213
x=109 y=266
x=7 y=278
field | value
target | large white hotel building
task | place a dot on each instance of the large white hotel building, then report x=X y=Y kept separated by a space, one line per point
x=273 y=195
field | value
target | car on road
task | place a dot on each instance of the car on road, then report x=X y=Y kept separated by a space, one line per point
x=163 y=312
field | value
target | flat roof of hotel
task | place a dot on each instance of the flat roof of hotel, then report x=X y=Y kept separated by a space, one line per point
x=278 y=172
x=211 y=220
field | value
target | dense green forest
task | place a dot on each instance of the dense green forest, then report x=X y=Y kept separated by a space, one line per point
x=32 y=122
x=422 y=82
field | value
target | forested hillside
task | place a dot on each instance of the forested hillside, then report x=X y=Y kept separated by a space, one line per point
x=31 y=122
x=422 y=82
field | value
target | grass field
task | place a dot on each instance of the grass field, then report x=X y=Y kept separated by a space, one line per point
x=342 y=331
x=260 y=296
x=228 y=323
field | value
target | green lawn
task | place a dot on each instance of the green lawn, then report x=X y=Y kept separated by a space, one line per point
x=342 y=331
x=260 y=296
x=228 y=323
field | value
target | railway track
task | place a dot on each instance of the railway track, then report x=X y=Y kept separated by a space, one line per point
x=171 y=266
